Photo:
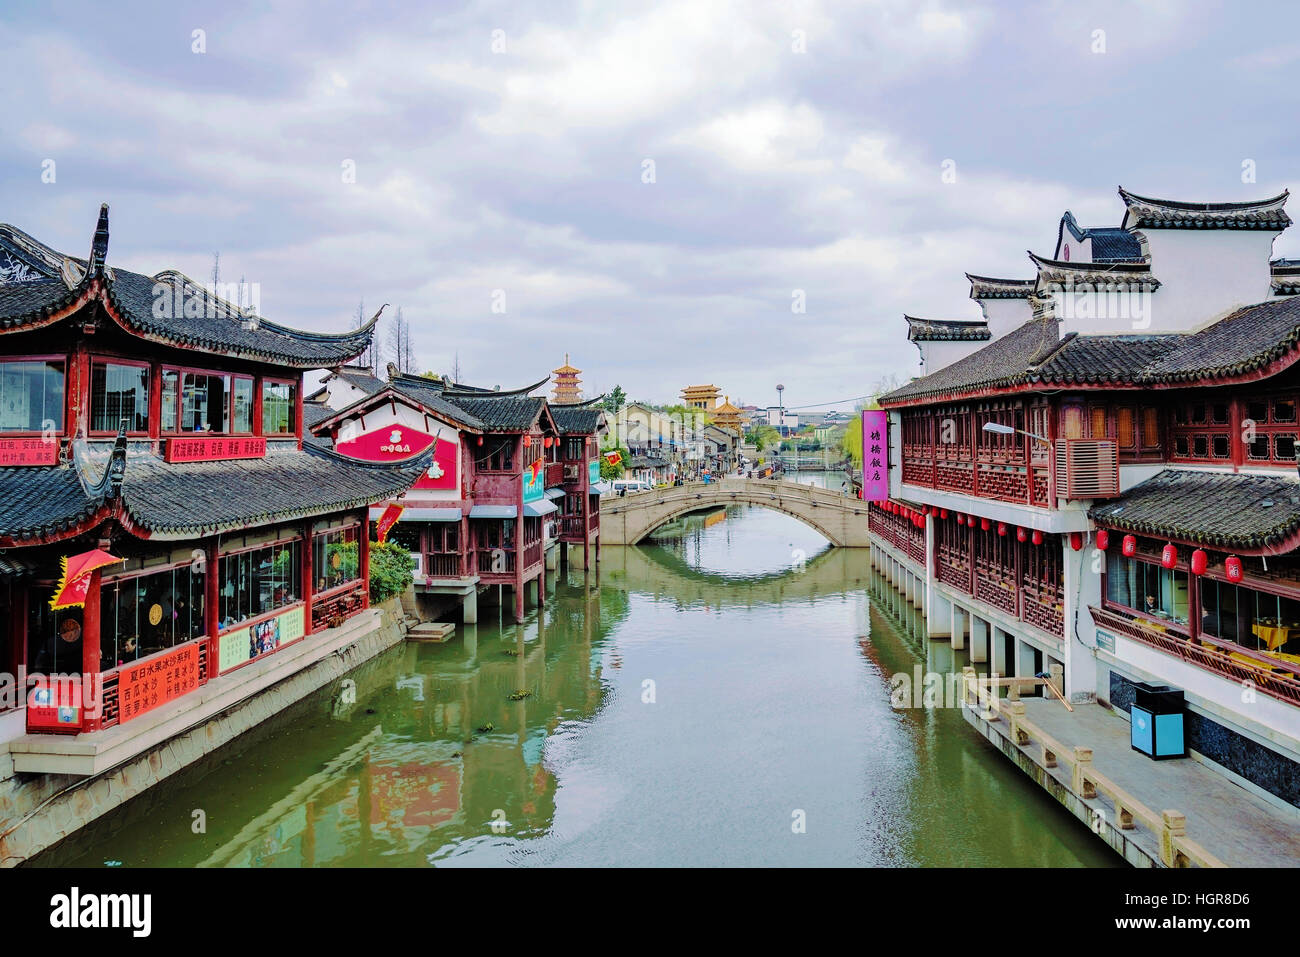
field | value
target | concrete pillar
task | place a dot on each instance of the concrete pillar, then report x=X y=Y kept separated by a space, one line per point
x=938 y=613
x=958 y=631
x=1082 y=588
x=1025 y=663
x=998 y=652
x=553 y=558
x=979 y=639
x=518 y=589
x=469 y=607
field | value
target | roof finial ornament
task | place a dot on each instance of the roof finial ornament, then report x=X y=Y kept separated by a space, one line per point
x=99 y=245
x=110 y=484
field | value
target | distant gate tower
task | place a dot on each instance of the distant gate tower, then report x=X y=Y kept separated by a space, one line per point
x=703 y=397
x=568 y=387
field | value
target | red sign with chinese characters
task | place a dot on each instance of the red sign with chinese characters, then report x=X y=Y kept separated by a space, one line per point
x=28 y=452
x=393 y=443
x=210 y=448
x=150 y=684
x=387 y=521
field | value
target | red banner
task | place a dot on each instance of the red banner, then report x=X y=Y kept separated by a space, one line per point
x=28 y=452
x=77 y=569
x=151 y=684
x=215 y=448
x=388 y=520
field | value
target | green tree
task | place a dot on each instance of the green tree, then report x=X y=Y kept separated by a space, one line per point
x=616 y=399
x=609 y=471
x=391 y=566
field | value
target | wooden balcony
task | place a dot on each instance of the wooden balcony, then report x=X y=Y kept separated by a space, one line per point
x=1233 y=662
x=532 y=554
x=444 y=565
x=1072 y=469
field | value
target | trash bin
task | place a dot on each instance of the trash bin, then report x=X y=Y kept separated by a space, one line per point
x=1156 y=721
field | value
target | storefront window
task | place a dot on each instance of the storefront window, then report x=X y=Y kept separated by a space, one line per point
x=53 y=637
x=147 y=614
x=335 y=558
x=31 y=396
x=119 y=392
x=1148 y=588
x=1253 y=619
x=278 y=408
x=259 y=581
x=204 y=402
x=243 y=406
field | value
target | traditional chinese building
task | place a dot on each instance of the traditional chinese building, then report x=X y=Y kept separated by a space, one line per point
x=568 y=384
x=573 y=475
x=478 y=516
x=702 y=397
x=1101 y=476
x=150 y=419
x=728 y=416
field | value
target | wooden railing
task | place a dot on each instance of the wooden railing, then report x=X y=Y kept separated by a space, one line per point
x=330 y=611
x=899 y=532
x=532 y=554
x=443 y=565
x=1169 y=827
x=1223 y=658
x=496 y=561
x=996 y=586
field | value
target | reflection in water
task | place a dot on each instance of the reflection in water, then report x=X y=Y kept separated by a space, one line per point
x=685 y=705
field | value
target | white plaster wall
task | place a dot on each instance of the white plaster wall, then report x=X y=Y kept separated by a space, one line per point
x=1205 y=274
x=936 y=355
x=1005 y=315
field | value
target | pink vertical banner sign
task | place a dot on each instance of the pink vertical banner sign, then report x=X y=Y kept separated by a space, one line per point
x=875 y=455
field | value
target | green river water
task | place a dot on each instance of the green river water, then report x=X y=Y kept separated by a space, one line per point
x=720 y=696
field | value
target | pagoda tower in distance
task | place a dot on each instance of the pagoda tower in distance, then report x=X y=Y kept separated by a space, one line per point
x=727 y=416
x=568 y=387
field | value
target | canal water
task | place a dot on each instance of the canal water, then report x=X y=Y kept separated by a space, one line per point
x=719 y=696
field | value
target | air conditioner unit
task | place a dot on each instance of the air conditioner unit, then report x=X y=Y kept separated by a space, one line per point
x=1087 y=468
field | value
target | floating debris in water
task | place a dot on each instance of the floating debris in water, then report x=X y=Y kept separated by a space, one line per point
x=512 y=652
x=457 y=754
x=520 y=695
x=112 y=863
x=487 y=728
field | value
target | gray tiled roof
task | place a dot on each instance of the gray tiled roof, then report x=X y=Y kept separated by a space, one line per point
x=38 y=502
x=1214 y=509
x=38 y=281
x=944 y=330
x=513 y=413
x=1109 y=243
x=577 y=418
x=1145 y=212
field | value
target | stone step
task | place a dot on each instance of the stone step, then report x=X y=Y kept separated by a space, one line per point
x=438 y=631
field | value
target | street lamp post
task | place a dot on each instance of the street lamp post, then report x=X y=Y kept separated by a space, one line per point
x=998 y=429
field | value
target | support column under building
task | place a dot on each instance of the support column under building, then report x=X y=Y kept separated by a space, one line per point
x=979 y=639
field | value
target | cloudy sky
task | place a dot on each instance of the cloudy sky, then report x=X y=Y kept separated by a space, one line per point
x=649 y=187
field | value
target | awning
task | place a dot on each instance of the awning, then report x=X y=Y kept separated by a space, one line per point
x=414 y=514
x=555 y=493
x=493 y=511
x=601 y=488
x=538 y=509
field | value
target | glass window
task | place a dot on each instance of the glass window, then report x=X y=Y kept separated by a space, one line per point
x=204 y=402
x=1285 y=447
x=1283 y=410
x=407 y=535
x=150 y=613
x=243 y=406
x=1148 y=588
x=170 y=381
x=47 y=650
x=1257 y=411
x=31 y=396
x=119 y=392
x=335 y=558
x=279 y=407
x=259 y=581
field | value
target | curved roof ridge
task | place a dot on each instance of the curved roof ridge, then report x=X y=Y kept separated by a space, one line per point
x=1131 y=198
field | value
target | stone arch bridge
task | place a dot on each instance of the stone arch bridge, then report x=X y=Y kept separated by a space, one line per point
x=625 y=520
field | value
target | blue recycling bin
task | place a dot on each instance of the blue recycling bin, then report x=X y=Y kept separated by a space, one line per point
x=1156 y=721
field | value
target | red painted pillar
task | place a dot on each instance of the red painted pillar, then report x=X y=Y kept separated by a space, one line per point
x=363 y=549
x=297 y=409
x=308 y=578
x=92 y=698
x=212 y=605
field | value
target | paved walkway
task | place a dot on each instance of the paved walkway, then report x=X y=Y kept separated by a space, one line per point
x=1234 y=825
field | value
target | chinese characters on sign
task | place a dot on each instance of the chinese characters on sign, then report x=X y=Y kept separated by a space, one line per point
x=875 y=455
x=28 y=452
x=214 y=448
x=148 y=684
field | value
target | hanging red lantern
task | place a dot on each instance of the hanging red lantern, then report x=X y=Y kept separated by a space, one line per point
x=1076 y=540
x=1002 y=528
x=1129 y=546
x=547 y=442
x=1232 y=567
x=961 y=519
x=1199 y=561
x=1037 y=537
x=1168 y=556
x=1021 y=534
x=528 y=441
x=943 y=513
x=984 y=524
x=1103 y=539
x=480 y=440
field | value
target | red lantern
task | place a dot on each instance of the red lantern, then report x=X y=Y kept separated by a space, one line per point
x=1076 y=540
x=1002 y=528
x=1168 y=556
x=1103 y=538
x=547 y=441
x=528 y=441
x=1232 y=567
x=1129 y=546
x=961 y=519
x=1021 y=534
x=1037 y=537
x=943 y=513
x=1199 y=561
x=480 y=440
x=984 y=524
